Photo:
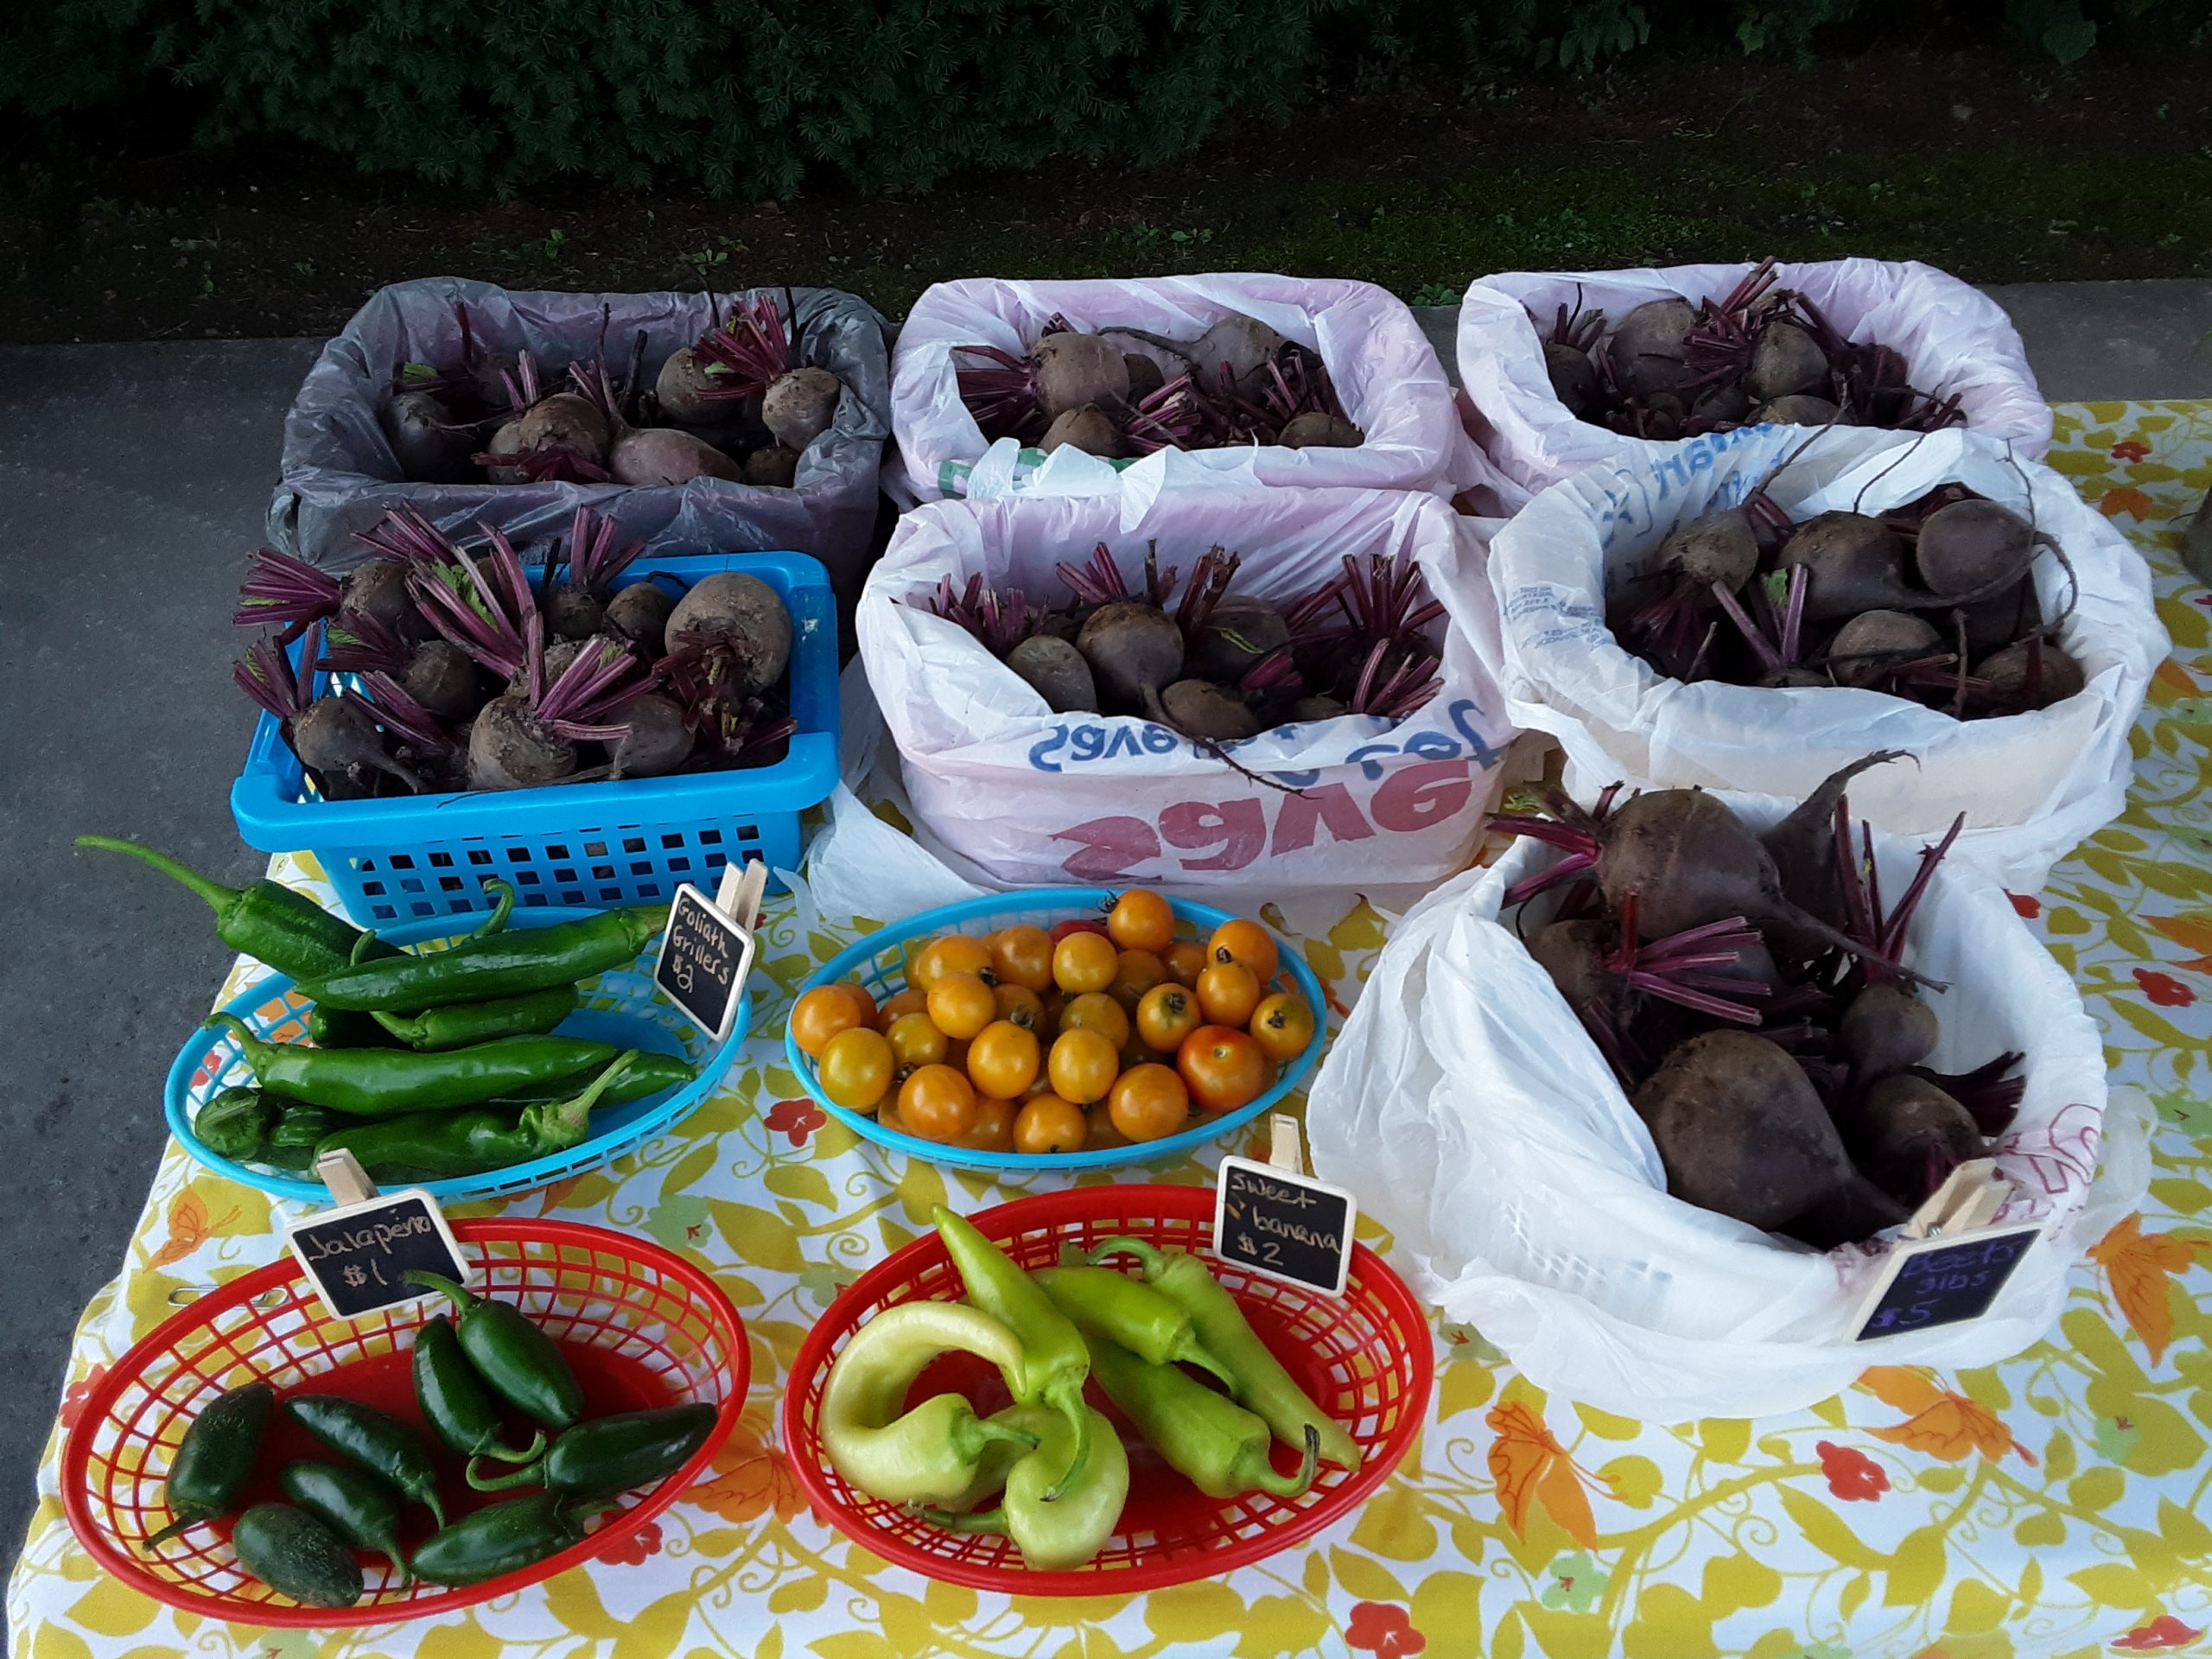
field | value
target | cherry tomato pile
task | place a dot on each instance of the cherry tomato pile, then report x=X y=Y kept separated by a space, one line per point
x=1095 y=1033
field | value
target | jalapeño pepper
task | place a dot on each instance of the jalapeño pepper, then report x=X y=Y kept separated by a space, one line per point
x=383 y=1446
x=454 y=1401
x=441 y=1146
x=519 y=1363
x=292 y=1552
x=361 y=1508
x=502 y=1538
x=385 y=1082
x=215 y=1460
x=506 y=964
x=613 y=1454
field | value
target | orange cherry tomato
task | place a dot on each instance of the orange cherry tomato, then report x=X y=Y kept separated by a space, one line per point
x=1082 y=1065
x=936 y=1104
x=994 y=1130
x=955 y=953
x=1148 y=1101
x=1004 y=1059
x=865 y=998
x=1020 y=1004
x=1051 y=1007
x=1047 y=1124
x=1098 y=1126
x=1166 y=1015
x=1096 y=1011
x=913 y=999
x=1140 y=921
x=821 y=1014
x=1185 y=961
x=1135 y=972
x=962 y=1005
x=1074 y=924
x=855 y=1070
x=1228 y=993
x=1022 y=955
x=1224 y=1069
x=916 y=1041
x=1245 y=942
x=1084 y=961
x=1282 y=1025
x=956 y=1056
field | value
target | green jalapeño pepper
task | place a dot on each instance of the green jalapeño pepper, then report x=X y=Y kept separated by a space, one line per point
x=1213 y=1442
x=929 y=1454
x=264 y=920
x=215 y=1460
x=236 y=1123
x=459 y=1024
x=1128 y=1311
x=613 y=1454
x=519 y=1363
x=454 y=1400
x=441 y=1146
x=1054 y=1534
x=383 y=1446
x=293 y=1553
x=361 y=1508
x=1255 y=1376
x=506 y=964
x=502 y=1538
x=385 y=1082
x=651 y=1073
x=1053 y=1361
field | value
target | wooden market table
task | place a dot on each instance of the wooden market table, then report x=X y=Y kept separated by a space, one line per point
x=2050 y=1505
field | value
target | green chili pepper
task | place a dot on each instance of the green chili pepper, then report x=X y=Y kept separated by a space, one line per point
x=503 y=1538
x=236 y=1123
x=1129 y=1312
x=650 y=1074
x=385 y=1082
x=507 y=964
x=613 y=1454
x=441 y=1146
x=1053 y=1361
x=454 y=1400
x=335 y=1028
x=459 y=1024
x=381 y=1444
x=361 y=1508
x=1054 y=1533
x=296 y=1555
x=929 y=1454
x=519 y=1362
x=264 y=920
x=1213 y=1442
x=298 y=1132
x=215 y=1460
x=1256 y=1376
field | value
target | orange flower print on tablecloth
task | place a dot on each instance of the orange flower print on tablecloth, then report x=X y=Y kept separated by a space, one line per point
x=2131 y=450
x=2126 y=500
x=2161 y=1634
x=2163 y=990
x=2141 y=1267
x=797 y=1119
x=1938 y=1421
x=633 y=1550
x=1531 y=1467
x=73 y=1401
x=752 y=1479
x=2192 y=933
x=1851 y=1474
x=1382 y=1630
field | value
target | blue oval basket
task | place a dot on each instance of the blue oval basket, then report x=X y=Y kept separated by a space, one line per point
x=879 y=963
x=622 y=1007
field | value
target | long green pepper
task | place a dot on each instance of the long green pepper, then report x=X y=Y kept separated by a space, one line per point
x=361 y=1508
x=507 y=964
x=385 y=1082
x=503 y=1538
x=458 y=1025
x=1129 y=1312
x=442 y=1146
x=613 y=1454
x=1207 y=1438
x=1053 y=1534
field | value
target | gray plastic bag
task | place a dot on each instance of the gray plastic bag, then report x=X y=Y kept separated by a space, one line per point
x=341 y=476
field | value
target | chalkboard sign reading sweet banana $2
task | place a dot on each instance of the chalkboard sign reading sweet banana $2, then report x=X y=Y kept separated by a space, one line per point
x=1286 y=1226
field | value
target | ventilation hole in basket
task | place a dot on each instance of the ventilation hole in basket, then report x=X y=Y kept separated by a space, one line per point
x=527 y=878
x=373 y=889
x=669 y=843
x=680 y=866
x=640 y=867
x=440 y=861
x=748 y=833
x=480 y=856
x=563 y=874
x=603 y=872
x=572 y=895
x=449 y=884
x=633 y=843
x=400 y=860
x=710 y=837
x=594 y=849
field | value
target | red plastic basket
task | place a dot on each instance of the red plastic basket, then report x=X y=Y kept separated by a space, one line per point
x=641 y=1326
x=1366 y=1358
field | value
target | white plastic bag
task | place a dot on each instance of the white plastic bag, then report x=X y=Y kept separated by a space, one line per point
x=1467 y=1107
x=1019 y=795
x=2031 y=785
x=1385 y=372
x=1955 y=339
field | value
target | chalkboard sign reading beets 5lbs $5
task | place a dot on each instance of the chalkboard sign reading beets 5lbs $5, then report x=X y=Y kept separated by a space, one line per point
x=1287 y=1226
x=1944 y=1281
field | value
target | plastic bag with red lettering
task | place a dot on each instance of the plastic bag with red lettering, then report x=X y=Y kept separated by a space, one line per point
x=1019 y=795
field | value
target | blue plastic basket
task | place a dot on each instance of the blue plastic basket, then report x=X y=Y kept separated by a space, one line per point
x=413 y=858
x=879 y=963
x=621 y=1007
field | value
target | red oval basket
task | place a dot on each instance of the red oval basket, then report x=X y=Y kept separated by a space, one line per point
x=642 y=1327
x=1366 y=1358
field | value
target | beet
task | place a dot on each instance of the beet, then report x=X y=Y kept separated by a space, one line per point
x=1853 y=564
x=1786 y=361
x=2001 y=619
x=656 y=739
x=1200 y=708
x=429 y=447
x=1721 y=547
x=1573 y=953
x=1802 y=846
x=1057 y=671
x=639 y=613
x=683 y=388
x=566 y=419
x=1146 y=377
x=663 y=455
x=1973 y=548
x=1909 y=1135
x=2033 y=674
x=558 y=656
x=1885 y=1030
x=771 y=467
x=1243 y=345
x=1647 y=349
x=1574 y=382
x=508 y=441
x=1319 y=429
x=1073 y=369
x=1087 y=428
x=509 y=748
x=1238 y=635
x=337 y=738
x=442 y=677
x=1797 y=409
x=745 y=610
x=1740 y=1129
x=800 y=406
x=1305 y=710
x=1856 y=1211
x=1720 y=406
x=1134 y=649
x=379 y=588
x=572 y=613
x=1874 y=642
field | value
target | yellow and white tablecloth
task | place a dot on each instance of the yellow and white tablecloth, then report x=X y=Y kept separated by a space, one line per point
x=2052 y=1505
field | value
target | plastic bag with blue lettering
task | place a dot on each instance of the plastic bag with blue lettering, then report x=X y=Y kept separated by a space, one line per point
x=1019 y=795
x=2031 y=785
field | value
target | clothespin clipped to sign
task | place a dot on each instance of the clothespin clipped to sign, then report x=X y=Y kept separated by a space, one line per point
x=1971 y=1198
x=706 y=948
x=1282 y=1143
x=1951 y=1262
x=1274 y=1218
x=359 y=1253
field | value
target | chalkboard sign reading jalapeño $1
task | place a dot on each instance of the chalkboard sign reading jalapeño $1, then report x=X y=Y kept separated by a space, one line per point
x=359 y=1254
x=705 y=954
x=1287 y=1226
x=1933 y=1281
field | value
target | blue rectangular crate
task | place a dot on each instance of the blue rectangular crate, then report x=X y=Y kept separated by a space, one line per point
x=410 y=858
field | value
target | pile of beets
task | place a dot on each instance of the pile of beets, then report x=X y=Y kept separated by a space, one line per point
x=1747 y=991
x=739 y=403
x=458 y=676
x=1218 y=667
x=1124 y=392
x=1670 y=369
x=1934 y=602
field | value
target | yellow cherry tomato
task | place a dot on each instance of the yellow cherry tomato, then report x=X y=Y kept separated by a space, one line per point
x=936 y=1104
x=1228 y=993
x=1166 y=1015
x=1082 y=1065
x=821 y=1014
x=1084 y=961
x=1048 y=1123
x=1135 y=972
x=1149 y=1103
x=1004 y=1059
x=1098 y=1126
x=1097 y=1011
x=1282 y=1025
x=1020 y=1004
x=913 y=999
x=1246 y=942
x=993 y=1128
x=1022 y=955
x=855 y=1070
x=963 y=1005
x=1185 y=960
x=955 y=953
x=915 y=1040
x=1140 y=921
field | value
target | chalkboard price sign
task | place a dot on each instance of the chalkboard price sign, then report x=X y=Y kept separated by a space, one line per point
x=1287 y=1226
x=705 y=955
x=1934 y=1281
x=358 y=1255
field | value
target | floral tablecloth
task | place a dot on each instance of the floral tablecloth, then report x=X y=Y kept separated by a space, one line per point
x=2050 y=1505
